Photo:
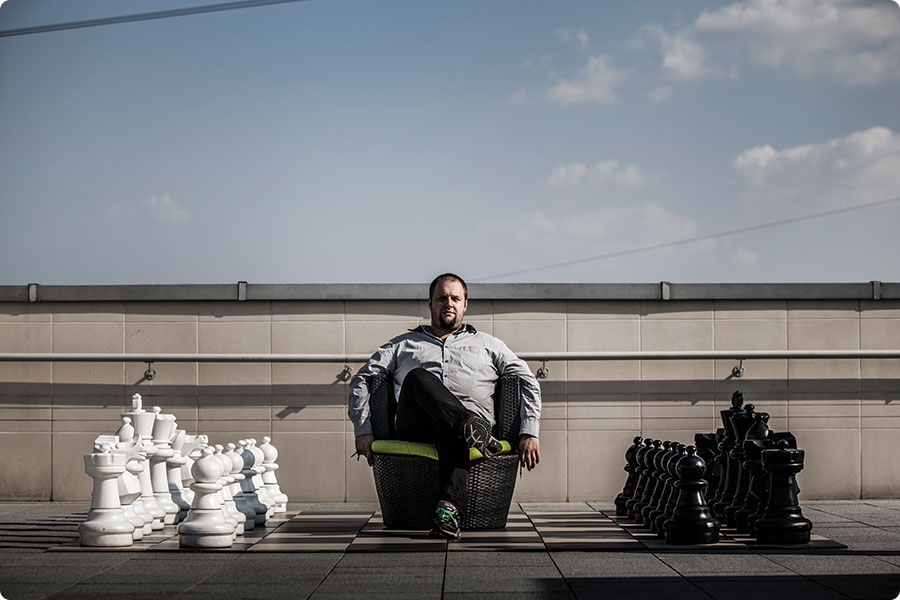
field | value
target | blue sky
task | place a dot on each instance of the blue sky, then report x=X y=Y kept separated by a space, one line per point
x=386 y=141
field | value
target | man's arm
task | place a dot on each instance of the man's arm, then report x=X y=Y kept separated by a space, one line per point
x=358 y=401
x=530 y=411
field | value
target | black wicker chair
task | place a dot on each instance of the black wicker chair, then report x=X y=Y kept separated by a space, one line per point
x=407 y=485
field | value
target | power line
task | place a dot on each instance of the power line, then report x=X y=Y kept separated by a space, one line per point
x=699 y=238
x=147 y=16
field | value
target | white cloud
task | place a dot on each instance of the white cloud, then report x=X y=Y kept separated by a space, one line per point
x=685 y=59
x=860 y=167
x=572 y=35
x=603 y=173
x=624 y=226
x=856 y=42
x=166 y=209
x=596 y=82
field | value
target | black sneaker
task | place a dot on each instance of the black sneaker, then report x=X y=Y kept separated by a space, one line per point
x=477 y=433
x=446 y=521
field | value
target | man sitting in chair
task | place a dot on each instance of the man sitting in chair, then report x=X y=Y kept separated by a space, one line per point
x=446 y=373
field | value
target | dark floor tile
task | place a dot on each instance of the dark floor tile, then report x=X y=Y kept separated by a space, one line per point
x=383 y=579
x=513 y=578
x=754 y=588
x=636 y=588
x=255 y=592
x=499 y=559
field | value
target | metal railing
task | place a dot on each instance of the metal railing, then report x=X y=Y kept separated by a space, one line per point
x=738 y=356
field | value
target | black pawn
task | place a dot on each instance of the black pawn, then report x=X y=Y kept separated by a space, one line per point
x=658 y=461
x=628 y=491
x=650 y=483
x=641 y=480
x=693 y=521
x=783 y=522
x=671 y=493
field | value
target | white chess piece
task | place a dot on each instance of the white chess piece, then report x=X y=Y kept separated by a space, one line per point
x=173 y=474
x=237 y=464
x=106 y=524
x=143 y=426
x=231 y=512
x=128 y=485
x=205 y=525
x=248 y=485
x=270 y=455
x=190 y=450
x=258 y=483
x=163 y=427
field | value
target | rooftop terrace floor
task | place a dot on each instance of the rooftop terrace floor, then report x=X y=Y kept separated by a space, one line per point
x=558 y=550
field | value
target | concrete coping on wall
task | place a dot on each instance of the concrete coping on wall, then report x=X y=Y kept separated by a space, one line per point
x=244 y=291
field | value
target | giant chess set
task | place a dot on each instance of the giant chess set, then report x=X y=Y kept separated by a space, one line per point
x=750 y=485
x=149 y=475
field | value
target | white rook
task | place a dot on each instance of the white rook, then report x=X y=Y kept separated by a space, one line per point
x=106 y=524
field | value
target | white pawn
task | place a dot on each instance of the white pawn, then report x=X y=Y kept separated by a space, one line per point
x=106 y=524
x=258 y=482
x=248 y=486
x=231 y=512
x=205 y=525
x=237 y=464
x=270 y=455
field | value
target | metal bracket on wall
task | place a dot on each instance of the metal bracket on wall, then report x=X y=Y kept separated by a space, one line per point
x=345 y=374
x=150 y=373
x=738 y=371
x=543 y=371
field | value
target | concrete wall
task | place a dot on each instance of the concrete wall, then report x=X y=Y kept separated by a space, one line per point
x=845 y=413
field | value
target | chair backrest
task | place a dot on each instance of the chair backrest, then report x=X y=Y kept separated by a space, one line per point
x=383 y=407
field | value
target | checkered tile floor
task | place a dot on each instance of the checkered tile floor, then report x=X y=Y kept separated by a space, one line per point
x=530 y=527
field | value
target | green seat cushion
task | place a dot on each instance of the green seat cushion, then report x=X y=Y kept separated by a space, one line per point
x=424 y=450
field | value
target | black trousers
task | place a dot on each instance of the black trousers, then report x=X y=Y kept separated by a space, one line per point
x=429 y=413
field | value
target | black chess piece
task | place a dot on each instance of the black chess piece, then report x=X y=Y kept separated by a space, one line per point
x=741 y=422
x=657 y=475
x=631 y=482
x=692 y=521
x=716 y=465
x=641 y=481
x=681 y=452
x=729 y=469
x=783 y=522
x=647 y=461
x=757 y=485
x=707 y=445
x=765 y=479
x=662 y=488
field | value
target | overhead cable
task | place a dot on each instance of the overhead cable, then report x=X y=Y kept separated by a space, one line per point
x=691 y=240
x=146 y=16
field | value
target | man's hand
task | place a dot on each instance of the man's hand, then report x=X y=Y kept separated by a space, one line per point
x=364 y=446
x=529 y=451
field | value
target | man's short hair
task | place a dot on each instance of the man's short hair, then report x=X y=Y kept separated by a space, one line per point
x=444 y=276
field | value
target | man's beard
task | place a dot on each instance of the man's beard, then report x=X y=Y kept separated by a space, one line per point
x=448 y=323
